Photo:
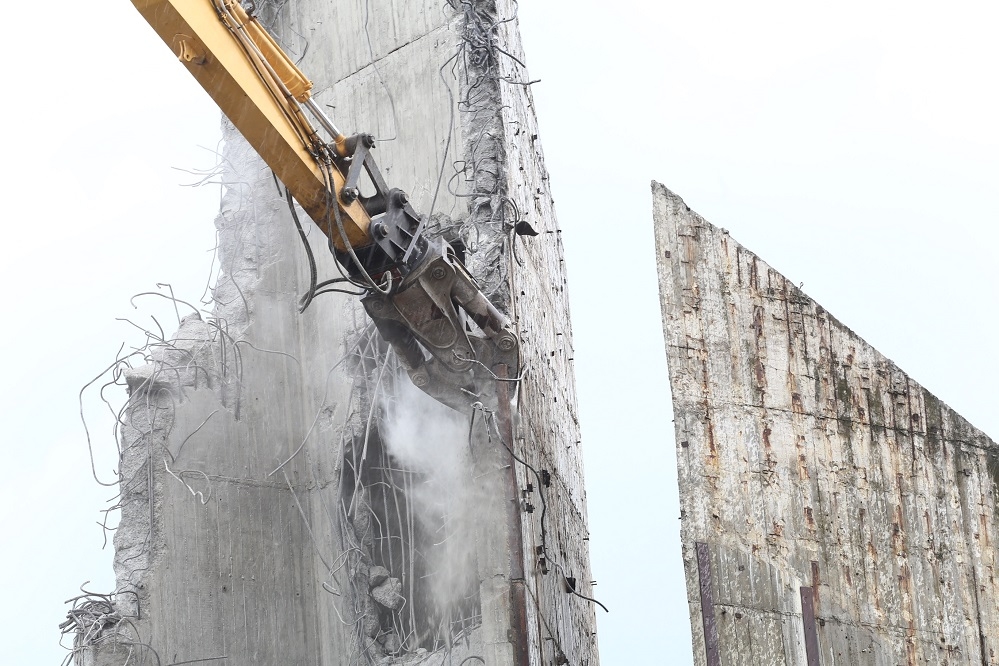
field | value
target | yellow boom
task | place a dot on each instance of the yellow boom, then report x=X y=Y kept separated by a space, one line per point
x=262 y=92
x=417 y=291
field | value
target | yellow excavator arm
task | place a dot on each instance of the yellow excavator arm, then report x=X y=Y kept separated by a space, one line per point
x=263 y=93
x=419 y=294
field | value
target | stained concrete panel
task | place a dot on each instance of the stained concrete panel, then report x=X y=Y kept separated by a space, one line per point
x=809 y=460
x=241 y=511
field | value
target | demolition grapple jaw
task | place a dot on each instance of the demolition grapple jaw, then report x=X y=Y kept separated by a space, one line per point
x=445 y=331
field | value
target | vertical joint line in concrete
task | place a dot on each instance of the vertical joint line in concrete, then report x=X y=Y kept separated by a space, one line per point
x=515 y=537
x=808 y=622
x=978 y=616
x=707 y=605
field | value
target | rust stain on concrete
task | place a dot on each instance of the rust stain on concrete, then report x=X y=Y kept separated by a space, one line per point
x=806 y=451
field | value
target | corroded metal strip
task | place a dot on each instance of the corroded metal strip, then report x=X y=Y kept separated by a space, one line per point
x=707 y=605
x=815 y=585
x=515 y=540
x=808 y=621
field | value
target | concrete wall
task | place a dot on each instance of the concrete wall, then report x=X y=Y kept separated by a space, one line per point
x=273 y=463
x=826 y=497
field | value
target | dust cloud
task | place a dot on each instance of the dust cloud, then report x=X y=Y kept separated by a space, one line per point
x=450 y=503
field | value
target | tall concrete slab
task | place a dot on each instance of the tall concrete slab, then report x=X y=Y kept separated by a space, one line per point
x=833 y=510
x=287 y=497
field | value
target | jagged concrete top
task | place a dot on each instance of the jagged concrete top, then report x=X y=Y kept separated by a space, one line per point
x=807 y=459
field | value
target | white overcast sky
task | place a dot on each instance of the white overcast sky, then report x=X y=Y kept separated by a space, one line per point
x=853 y=146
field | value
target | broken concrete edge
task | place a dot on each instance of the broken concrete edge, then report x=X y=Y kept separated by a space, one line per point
x=561 y=623
x=510 y=186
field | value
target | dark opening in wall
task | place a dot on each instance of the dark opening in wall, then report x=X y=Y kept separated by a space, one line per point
x=416 y=578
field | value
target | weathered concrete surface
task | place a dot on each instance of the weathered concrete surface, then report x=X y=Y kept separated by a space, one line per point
x=257 y=445
x=811 y=467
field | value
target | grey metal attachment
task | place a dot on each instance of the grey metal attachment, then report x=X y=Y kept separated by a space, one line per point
x=445 y=331
x=439 y=310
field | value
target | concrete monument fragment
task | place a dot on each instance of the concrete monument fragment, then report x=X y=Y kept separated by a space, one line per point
x=834 y=511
